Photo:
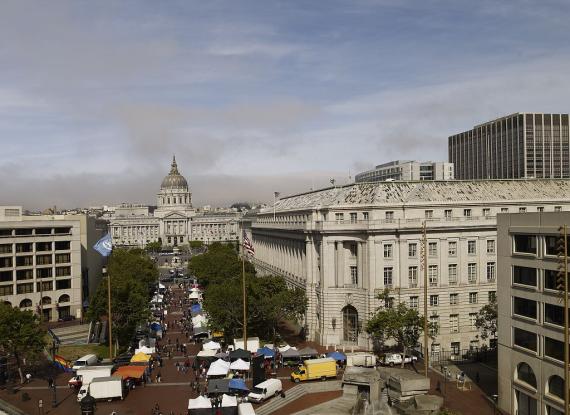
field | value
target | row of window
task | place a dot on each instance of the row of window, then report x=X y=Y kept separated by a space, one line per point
x=529 y=244
x=35 y=231
x=469 y=212
x=530 y=277
x=26 y=302
x=529 y=340
x=524 y=307
x=29 y=287
x=39 y=246
x=433 y=249
x=28 y=260
x=28 y=274
x=433 y=274
x=435 y=300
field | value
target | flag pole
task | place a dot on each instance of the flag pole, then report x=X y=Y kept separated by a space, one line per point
x=110 y=319
x=244 y=302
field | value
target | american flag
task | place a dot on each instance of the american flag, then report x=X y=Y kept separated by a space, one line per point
x=247 y=245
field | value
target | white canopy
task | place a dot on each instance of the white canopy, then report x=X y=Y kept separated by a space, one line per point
x=211 y=345
x=157 y=299
x=195 y=296
x=285 y=348
x=239 y=365
x=219 y=368
x=145 y=350
x=199 y=319
x=206 y=353
x=200 y=402
x=193 y=289
x=228 y=400
x=161 y=285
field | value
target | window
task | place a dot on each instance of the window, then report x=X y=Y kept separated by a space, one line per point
x=434 y=325
x=466 y=212
x=540 y=208
x=524 y=276
x=413 y=277
x=43 y=260
x=473 y=321
x=455 y=348
x=491 y=246
x=452 y=272
x=63 y=271
x=550 y=279
x=414 y=302
x=62 y=245
x=452 y=248
x=428 y=214
x=412 y=250
x=434 y=300
x=553 y=314
x=365 y=215
x=25 y=288
x=447 y=214
x=551 y=243
x=486 y=212
x=524 y=307
x=553 y=348
x=62 y=284
x=504 y=210
x=24 y=261
x=525 y=244
x=388 y=271
x=526 y=339
x=354 y=275
x=433 y=275
x=558 y=208
x=472 y=298
x=6 y=262
x=44 y=273
x=472 y=273
x=471 y=247
x=454 y=323
x=6 y=276
x=25 y=274
x=556 y=386
x=353 y=217
x=388 y=251
x=491 y=271
x=5 y=248
x=454 y=299
x=353 y=250
x=492 y=296
x=432 y=249
x=389 y=216
x=6 y=290
x=339 y=217
x=45 y=286
x=62 y=258
x=43 y=246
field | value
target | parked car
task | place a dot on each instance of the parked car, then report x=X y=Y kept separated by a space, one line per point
x=393 y=359
x=66 y=318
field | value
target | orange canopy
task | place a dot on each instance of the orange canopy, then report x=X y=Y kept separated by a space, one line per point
x=134 y=372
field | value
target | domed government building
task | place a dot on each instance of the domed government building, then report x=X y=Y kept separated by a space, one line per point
x=174 y=221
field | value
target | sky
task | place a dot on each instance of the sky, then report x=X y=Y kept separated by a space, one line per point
x=256 y=96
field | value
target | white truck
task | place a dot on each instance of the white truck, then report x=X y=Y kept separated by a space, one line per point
x=86 y=374
x=362 y=359
x=394 y=359
x=265 y=390
x=108 y=387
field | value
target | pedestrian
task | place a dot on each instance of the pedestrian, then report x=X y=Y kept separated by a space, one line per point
x=28 y=377
x=177 y=366
x=158 y=377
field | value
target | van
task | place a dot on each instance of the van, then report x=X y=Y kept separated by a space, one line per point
x=265 y=390
x=87 y=360
x=315 y=369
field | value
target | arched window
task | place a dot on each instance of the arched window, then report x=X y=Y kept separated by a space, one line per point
x=556 y=386
x=350 y=324
x=46 y=300
x=64 y=299
x=525 y=374
x=26 y=302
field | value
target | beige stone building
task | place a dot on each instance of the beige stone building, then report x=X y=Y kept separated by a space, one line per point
x=531 y=316
x=174 y=221
x=344 y=245
x=48 y=260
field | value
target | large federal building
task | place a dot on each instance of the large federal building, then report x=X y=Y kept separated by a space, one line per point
x=47 y=262
x=174 y=221
x=404 y=170
x=521 y=145
x=531 y=315
x=345 y=245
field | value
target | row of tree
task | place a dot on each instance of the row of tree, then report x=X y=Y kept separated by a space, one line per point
x=269 y=300
x=133 y=278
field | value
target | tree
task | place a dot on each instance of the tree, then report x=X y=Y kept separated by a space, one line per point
x=20 y=335
x=486 y=320
x=154 y=246
x=401 y=324
x=196 y=244
x=133 y=277
x=240 y=206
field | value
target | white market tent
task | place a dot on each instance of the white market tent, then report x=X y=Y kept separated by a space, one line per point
x=195 y=289
x=160 y=285
x=206 y=353
x=284 y=348
x=218 y=368
x=201 y=402
x=199 y=319
x=194 y=295
x=239 y=365
x=228 y=400
x=145 y=350
x=157 y=299
x=211 y=345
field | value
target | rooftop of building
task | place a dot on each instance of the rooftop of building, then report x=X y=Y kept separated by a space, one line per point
x=422 y=192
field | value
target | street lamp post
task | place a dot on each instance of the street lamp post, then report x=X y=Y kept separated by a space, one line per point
x=53 y=386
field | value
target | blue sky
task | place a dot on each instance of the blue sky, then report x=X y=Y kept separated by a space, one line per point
x=256 y=96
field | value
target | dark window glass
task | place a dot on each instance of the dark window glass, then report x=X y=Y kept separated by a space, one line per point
x=6 y=276
x=62 y=245
x=43 y=246
x=553 y=314
x=6 y=249
x=554 y=349
x=44 y=272
x=526 y=374
x=62 y=230
x=43 y=231
x=525 y=339
x=24 y=247
x=524 y=275
x=23 y=231
x=62 y=284
x=556 y=386
x=525 y=244
x=25 y=288
x=524 y=307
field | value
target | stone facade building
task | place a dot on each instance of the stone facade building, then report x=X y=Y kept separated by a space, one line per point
x=174 y=221
x=405 y=170
x=344 y=245
x=49 y=259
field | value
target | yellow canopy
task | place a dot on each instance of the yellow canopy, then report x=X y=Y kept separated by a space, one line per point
x=140 y=357
x=218 y=334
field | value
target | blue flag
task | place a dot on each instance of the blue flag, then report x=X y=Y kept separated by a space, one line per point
x=104 y=245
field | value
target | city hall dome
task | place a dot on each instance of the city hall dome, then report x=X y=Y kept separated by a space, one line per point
x=174 y=180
